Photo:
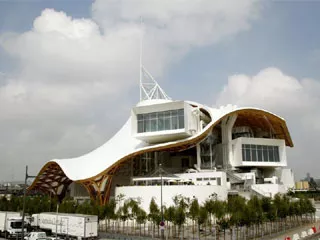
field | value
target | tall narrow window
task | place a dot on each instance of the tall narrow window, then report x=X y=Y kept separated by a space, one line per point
x=167 y=120
x=260 y=151
x=254 y=153
x=248 y=152
x=276 y=154
x=161 y=121
x=270 y=153
x=265 y=154
x=181 y=118
x=147 y=124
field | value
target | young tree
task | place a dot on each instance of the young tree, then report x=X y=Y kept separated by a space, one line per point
x=179 y=218
x=194 y=212
x=202 y=218
x=169 y=216
x=269 y=211
x=181 y=206
x=134 y=209
x=109 y=212
x=236 y=207
x=123 y=213
x=141 y=219
x=154 y=214
x=68 y=205
x=281 y=204
x=256 y=213
x=4 y=204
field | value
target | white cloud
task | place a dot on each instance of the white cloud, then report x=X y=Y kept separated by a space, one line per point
x=75 y=73
x=72 y=57
x=174 y=27
x=295 y=100
x=181 y=22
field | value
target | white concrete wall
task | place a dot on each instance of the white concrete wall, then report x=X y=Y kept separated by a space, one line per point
x=287 y=178
x=248 y=175
x=205 y=174
x=269 y=190
x=145 y=193
x=237 y=154
x=226 y=137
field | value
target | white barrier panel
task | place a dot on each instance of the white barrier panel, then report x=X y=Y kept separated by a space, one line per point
x=304 y=234
x=310 y=231
x=296 y=236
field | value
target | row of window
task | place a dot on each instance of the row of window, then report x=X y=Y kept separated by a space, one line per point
x=218 y=179
x=260 y=153
x=206 y=179
x=160 y=121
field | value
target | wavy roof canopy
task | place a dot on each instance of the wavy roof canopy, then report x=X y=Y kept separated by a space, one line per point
x=123 y=146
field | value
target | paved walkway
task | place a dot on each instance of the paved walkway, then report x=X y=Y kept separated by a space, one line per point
x=298 y=230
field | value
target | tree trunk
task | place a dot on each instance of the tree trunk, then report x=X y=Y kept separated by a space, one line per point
x=205 y=230
x=182 y=231
x=192 y=229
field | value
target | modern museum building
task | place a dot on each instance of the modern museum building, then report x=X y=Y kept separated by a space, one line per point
x=184 y=148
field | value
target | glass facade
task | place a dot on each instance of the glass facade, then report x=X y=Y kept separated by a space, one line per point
x=208 y=152
x=161 y=121
x=260 y=153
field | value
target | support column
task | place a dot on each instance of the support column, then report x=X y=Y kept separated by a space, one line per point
x=226 y=133
x=198 y=156
x=156 y=159
x=131 y=171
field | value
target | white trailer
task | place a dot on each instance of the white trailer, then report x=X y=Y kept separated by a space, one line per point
x=11 y=224
x=72 y=225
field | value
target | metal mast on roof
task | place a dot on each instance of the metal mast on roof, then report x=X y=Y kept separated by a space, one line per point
x=140 y=66
x=149 y=88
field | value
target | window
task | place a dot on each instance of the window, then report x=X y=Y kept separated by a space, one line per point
x=219 y=181
x=185 y=162
x=16 y=224
x=254 y=153
x=246 y=152
x=265 y=153
x=160 y=121
x=260 y=153
x=276 y=154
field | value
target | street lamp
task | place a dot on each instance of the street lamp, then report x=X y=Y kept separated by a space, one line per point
x=24 y=199
x=57 y=213
x=161 y=208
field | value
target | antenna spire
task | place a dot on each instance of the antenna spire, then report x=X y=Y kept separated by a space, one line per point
x=140 y=64
x=149 y=88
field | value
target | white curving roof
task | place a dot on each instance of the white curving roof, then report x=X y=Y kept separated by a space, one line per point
x=123 y=144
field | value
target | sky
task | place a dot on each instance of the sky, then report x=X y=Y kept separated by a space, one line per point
x=69 y=70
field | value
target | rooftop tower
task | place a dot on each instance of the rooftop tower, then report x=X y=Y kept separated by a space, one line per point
x=149 y=88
